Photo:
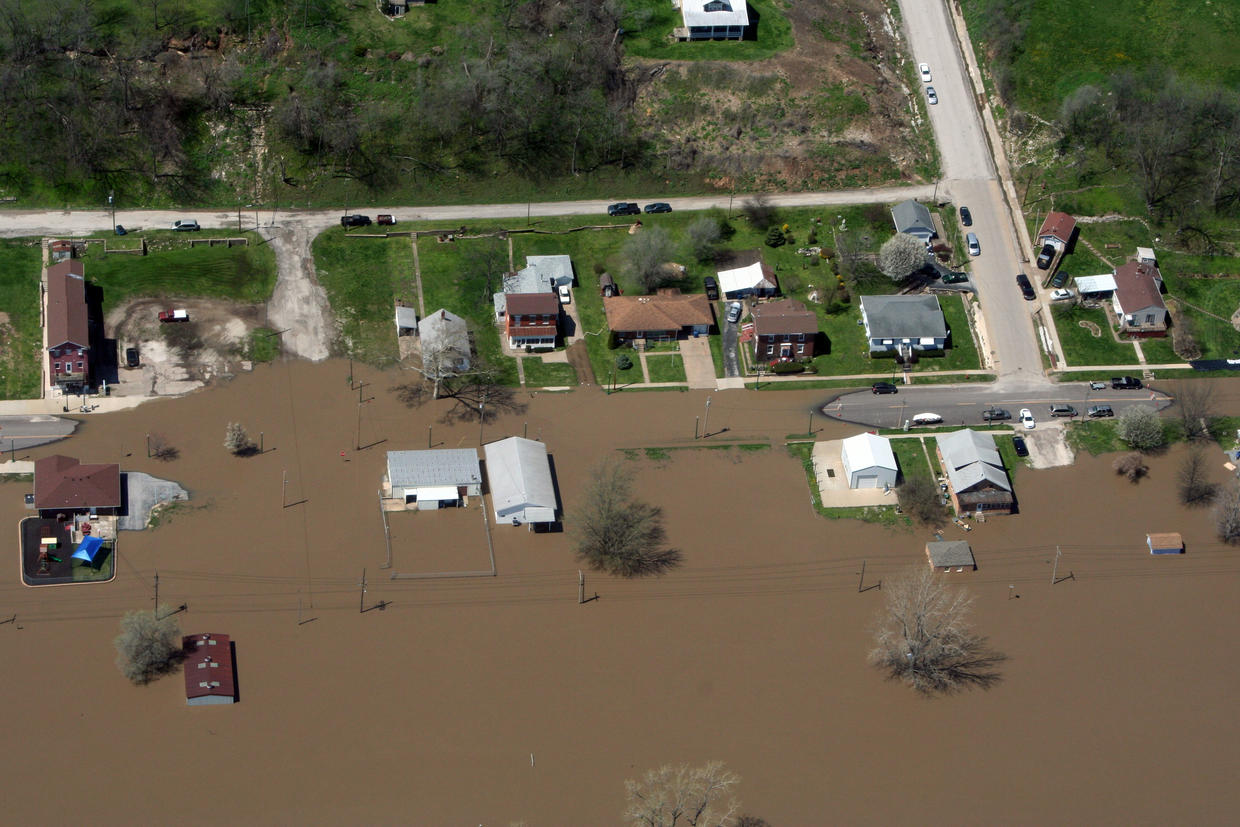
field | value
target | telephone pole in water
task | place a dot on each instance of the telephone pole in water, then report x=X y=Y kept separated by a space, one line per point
x=361 y=597
x=1055 y=568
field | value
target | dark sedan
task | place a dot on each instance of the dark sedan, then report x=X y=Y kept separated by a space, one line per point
x=1026 y=289
x=883 y=387
x=995 y=414
x=659 y=206
x=966 y=217
x=1018 y=442
x=624 y=208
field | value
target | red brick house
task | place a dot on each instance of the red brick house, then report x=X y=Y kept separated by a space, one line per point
x=68 y=329
x=532 y=320
x=62 y=485
x=1137 y=300
x=784 y=331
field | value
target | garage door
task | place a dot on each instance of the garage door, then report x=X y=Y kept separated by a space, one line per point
x=867 y=481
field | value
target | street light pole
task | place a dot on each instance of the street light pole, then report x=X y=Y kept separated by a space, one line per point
x=706 y=419
x=112 y=207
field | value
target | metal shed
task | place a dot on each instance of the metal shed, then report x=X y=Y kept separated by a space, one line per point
x=1165 y=543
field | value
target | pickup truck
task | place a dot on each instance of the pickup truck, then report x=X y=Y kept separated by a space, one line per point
x=174 y=316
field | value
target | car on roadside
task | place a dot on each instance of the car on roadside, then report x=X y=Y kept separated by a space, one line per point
x=1061 y=295
x=1059 y=409
x=1018 y=442
x=1045 y=256
x=926 y=419
x=624 y=208
x=1059 y=279
x=975 y=248
x=932 y=95
x=883 y=387
x=355 y=220
x=1026 y=419
x=1126 y=383
x=966 y=217
x=658 y=206
x=1097 y=386
x=1100 y=411
x=712 y=288
x=1026 y=289
x=924 y=69
x=995 y=415
x=385 y=220
x=131 y=357
x=734 y=312
x=186 y=225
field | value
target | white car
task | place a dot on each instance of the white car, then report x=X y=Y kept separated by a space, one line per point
x=1062 y=294
x=1026 y=419
x=566 y=296
x=975 y=248
x=924 y=68
x=927 y=419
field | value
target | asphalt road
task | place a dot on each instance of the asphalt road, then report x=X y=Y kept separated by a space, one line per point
x=964 y=404
x=17 y=433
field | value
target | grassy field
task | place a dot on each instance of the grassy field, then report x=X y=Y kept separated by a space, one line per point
x=20 y=335
x=174 y=268
x=666 y=368
x=1081 y=347
x=362 y=277
x=1159 y=351
x=649 y=24
x=540 y=374
x=1219 y=297
x=911 y=457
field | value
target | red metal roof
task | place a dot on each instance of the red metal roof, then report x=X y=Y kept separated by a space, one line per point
x=1058 y=225
x=208 y=660
x=66 y=304
x=63 y=482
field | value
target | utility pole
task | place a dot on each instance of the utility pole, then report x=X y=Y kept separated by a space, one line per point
x=361 y=597
x=706 y=420
x=157 y=594
x=148 y=446
x=428 y=437
x=809 y=428
x=284 y=492
x=862 y=580
x=1055 y=568
x=112 y=207
x=696 y=420
x=581 y=587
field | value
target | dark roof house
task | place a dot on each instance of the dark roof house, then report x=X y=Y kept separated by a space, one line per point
x=1138 y=299
x=66 y=305
x=63 y=484
x=784 y=330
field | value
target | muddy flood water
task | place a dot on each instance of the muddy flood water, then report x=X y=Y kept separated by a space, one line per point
x=493 y=700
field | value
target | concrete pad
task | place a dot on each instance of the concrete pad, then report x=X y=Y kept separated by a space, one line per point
x=699 y=366
x=828 y=459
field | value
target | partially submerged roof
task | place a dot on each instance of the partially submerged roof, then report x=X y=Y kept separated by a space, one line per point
x=519 y=476
x=442 y=466
x=208 y=668
x=63 y=482
x=715 y=12
x=784 y=316
x=868 y=451
x=954 y=553
x=66 y=305
x=1165 y=541
x=904 y=317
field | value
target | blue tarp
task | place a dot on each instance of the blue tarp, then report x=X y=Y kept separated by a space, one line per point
x=87 y=549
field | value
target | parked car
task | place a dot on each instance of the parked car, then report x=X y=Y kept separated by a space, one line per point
x=1060 y=295
x=927 y=419
x=995 y=414
x=347 y=221
x=624 y=208
x=1045 y=256
x=658 y=206
x=385 y=220
x=566 y=295
x=955 y=278
x=975 y=249
x=131 y=357
x=931 y=95
x=1059 y=279
x=734 y=312
x=1126 y=383
x=966 y=217
x=1062 y=410
x=174 y=316
x=924 y=68
x=712 y=288
x=883 y=387
x=1026 y=419
x=1097 y=386
x=185 y=225
x=1099 y=411
x=121 y=230
x=1018 y=442
x=1026 y=289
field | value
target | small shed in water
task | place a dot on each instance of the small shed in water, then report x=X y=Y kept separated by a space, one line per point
x=950 y=555
x=1165 y=543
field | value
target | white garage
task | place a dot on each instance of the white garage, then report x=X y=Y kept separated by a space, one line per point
x=869 y=462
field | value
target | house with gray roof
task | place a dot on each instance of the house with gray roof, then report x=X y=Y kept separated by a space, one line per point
x=951 y=555
x=541 y=274
x=433 y=479
x=976 y=478
x=903 y=323
x=445 y=344
x=519 y=476
x=913 y=218
x=712 y=19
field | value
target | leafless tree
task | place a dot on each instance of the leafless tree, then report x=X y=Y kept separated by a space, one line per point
x=616 y=533
x=162 y=450
x=704 y=235
x=237 y=441
x=1131 y=465
x=1195 y=404
x=924 y=639
x=920 y=498
x=479 y=394
x=646 y=256
x=758 y=211
x=149 y=644
x=901 y=256
x=1193 y=482
x=1227 y=514
x=675 y=795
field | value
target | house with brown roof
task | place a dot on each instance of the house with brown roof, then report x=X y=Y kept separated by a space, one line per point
x=68 y=328
x=532 y=320
x=62 y=485
x=783 y=330
x=210 y=671
x=669 y=314
x=1058 y=228
x=1137 y=300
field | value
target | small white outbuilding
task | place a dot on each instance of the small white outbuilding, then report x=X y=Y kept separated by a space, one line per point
x=869 y=461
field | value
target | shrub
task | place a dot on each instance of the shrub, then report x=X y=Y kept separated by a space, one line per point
x=1131 y=466
x=149 y=644
x=1141 y=428
x=781 y=368
x=775 y=238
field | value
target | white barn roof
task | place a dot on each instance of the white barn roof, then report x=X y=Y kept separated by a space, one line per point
x=720 y=13
x=442 y=467
x=868 y=451
x=1096 y=284
x=742 y=278
x=520 y=480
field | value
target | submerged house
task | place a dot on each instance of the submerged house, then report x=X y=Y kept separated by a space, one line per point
x=519 y=476
x=976 y=478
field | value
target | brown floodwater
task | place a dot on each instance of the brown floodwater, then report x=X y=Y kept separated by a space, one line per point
x=490 y=700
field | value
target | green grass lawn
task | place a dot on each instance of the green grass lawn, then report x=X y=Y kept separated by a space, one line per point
x=716 y=354
x=1094 y=436
x=21 y=338
x=1220 y=296
x=1159 y=351
x=174 y=268
x=540 y=374
x=1081 y=347
x=649 y=23
x=362 y=278
x=911 y=458
x=666 y=368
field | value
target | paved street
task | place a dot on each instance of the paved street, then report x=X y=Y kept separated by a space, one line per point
x=18 y=433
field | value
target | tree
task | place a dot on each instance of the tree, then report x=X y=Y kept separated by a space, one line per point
x=646 y=256
x=161 y=449
x=1131 y=465
x=237 y=441
x=704 y=236
x=923 y=637
x=480 y=395
x=1141 y=428
x=775 y=237
x=1192 y=480
x=1194 y=402
x=149 y=644
x=919 y=497
x=758 y=211
x=693 y=796
x=616 y=533
x=1227 y=514
x=901 y=256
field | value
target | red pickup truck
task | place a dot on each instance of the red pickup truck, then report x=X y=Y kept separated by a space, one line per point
x=174 y=315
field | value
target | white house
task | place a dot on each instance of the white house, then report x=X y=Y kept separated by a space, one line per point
x=755 y=279
x=869 y=462
x=904 y=323
x=436 y=478
x=713 y=19
x=519 y=475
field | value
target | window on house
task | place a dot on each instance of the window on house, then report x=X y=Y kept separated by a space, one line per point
x=1149 y=318
x=770 y=349
x=56 y=367
x=800 y=337
x=801 y=349
x=79 y=365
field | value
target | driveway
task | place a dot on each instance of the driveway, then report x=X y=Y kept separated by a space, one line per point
x=699 y=364
x=730 y=334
